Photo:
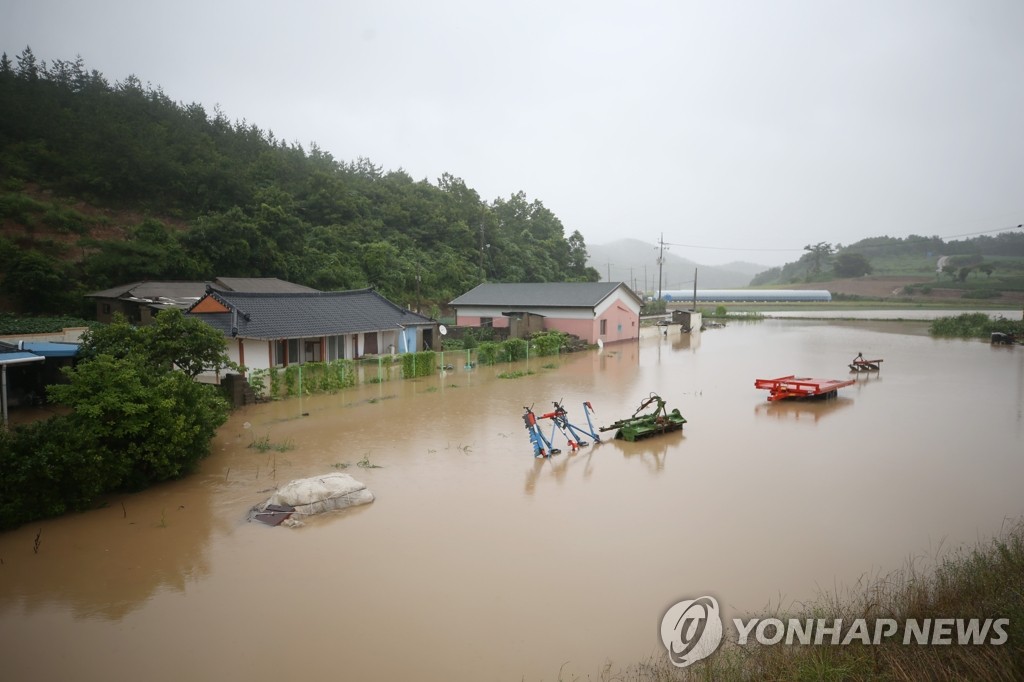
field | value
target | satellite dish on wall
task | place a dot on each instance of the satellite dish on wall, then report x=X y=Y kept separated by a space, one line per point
x=600 y=344
x=443 y=329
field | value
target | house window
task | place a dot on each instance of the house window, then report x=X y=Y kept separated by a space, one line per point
x=332 y=347
x=312 y=351
x=279 y=353
x=293 y=351
x=604 y=327
x=486 y=321
x=106 y=308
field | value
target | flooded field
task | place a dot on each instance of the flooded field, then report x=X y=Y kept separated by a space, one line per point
x=477 y=561
x=891 y=314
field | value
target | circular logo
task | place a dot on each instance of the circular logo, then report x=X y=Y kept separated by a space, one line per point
x=691 y=630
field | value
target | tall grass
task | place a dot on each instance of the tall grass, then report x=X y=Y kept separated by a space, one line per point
x=984 y=582
x=974 y=325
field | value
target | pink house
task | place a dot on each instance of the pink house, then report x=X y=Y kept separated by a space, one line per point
x=605 y=311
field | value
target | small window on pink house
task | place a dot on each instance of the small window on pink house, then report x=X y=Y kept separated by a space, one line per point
x=604 y=327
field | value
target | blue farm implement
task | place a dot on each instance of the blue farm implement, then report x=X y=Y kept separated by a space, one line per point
x=574 y=435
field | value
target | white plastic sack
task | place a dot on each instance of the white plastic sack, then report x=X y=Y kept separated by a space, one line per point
x=318 y=494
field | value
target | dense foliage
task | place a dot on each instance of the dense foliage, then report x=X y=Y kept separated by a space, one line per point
x=134 y=420
x=19 y=325
x=975 y=325
x=215 y=198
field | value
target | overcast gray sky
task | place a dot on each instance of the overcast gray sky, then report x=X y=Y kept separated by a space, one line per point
x=750 y=127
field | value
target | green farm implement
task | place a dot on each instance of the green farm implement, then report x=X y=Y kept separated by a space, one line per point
x=649 y=424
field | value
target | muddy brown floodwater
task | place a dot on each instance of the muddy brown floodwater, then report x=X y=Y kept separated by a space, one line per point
x=477 y=561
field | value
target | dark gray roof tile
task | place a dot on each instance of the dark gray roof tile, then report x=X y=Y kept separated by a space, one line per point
x=541 y=294
x=299 y=315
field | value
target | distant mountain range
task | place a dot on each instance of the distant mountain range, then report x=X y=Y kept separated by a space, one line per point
x=636 y=263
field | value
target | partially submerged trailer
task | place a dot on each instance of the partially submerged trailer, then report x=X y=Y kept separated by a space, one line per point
x=792 y=386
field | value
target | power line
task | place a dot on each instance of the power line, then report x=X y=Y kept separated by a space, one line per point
x=725 y=248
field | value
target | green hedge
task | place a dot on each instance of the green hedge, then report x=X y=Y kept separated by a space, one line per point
x=421 y=364
x=317 y=377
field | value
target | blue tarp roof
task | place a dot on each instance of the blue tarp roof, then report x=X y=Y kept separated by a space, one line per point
x=18 y=357
x=51 y=349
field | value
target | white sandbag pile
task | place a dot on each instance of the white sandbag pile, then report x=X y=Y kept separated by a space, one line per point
x=308 y=496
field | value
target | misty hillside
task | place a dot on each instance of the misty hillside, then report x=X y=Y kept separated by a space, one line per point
x=636 y=263
x=106 y=184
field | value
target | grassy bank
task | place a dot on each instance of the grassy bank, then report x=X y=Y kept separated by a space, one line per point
x=984 y=582
x=975 y=325
x=878 y=304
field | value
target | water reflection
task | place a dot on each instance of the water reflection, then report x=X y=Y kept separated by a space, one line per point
x=684 y=341
x=803 y=410
x=557 y=468
x=653 y=451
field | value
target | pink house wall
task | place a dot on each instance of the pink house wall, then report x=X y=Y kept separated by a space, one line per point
x=585 y=329
x=620 y=324
x=471 y=321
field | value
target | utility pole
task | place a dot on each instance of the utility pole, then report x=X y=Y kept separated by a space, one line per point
x=661 y=260
x=695 y=290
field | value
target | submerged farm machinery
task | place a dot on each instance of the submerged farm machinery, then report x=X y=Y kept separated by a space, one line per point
x=793 y=386
x=641 y=424
x=574 y=435
x=646 y=424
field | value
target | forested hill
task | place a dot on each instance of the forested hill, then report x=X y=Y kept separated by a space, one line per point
x=915 y=255
x=103 y=184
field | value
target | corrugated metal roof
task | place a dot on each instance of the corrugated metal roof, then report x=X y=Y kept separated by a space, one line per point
x=299 y=315
x=541 y=294
x=52 y=349
x=264 y=285
x=153 y=291
x=17 y=357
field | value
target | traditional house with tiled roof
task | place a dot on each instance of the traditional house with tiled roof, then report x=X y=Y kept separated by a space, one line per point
x=141 y=301
x=594 y=311
x=278 y=329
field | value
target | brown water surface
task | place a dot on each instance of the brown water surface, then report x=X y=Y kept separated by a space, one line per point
x=477 y=561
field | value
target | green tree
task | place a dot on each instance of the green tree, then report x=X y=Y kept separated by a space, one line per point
x=137 y=424
x=133 y=421
x=172 y=341
x=578 y=269
x=819 y=254
x=151 y=251
x=38 y=284
x=851 y=265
